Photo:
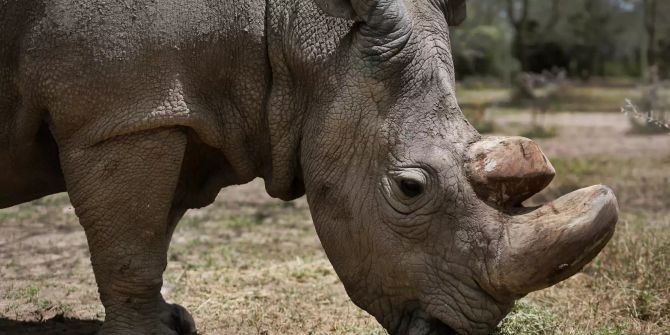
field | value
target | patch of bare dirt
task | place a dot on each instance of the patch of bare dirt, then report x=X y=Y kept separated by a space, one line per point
x=247 y=264
x=588 y=134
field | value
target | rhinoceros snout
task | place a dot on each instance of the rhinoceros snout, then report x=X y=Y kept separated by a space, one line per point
x=548 y=244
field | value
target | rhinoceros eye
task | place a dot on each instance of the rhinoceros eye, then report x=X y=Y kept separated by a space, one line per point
x=411 y=188
x=406 y=189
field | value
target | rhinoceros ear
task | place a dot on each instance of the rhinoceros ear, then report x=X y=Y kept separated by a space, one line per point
x=381 y=17
x=456 y=12
x=337 y=8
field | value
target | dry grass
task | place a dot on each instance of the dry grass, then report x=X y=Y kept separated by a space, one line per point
x=246 y=265
x=626 y=289
x=254 y=268
x=595 y=98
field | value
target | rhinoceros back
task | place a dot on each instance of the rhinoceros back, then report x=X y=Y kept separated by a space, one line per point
x=90 y=70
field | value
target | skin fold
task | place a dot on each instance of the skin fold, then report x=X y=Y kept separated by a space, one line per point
x=143 y=109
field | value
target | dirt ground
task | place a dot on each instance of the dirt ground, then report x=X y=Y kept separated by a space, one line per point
x=249 y=264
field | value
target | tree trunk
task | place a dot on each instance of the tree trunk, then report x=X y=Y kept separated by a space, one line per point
x=519 y=23
x=650 y=21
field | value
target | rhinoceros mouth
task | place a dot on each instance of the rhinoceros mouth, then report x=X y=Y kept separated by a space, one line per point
x=418 y=322
x=543 y=246
x=441 y=328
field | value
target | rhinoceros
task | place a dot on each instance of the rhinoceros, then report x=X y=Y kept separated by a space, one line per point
x=143 y=109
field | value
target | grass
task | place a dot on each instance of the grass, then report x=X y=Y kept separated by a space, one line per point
x=528 y=319
x=642 y=184
x=484 y=126
x=480 y=103
x=540 y=132
x=624 y=291
x=474 y=96
x=594 y=98
x=249 y=268
x=579 y=97
x=30 y=297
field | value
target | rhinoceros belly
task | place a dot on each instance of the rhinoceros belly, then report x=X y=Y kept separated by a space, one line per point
x=29 y=169
x=29 y=165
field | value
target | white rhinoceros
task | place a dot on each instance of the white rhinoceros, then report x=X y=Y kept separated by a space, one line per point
x=142 y=109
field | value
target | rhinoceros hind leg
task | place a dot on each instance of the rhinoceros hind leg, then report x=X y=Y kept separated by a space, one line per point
x=123 y=191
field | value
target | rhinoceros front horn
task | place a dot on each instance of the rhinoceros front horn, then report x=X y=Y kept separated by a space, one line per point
x=553 y=242
x=508 y=170
x=542 y=246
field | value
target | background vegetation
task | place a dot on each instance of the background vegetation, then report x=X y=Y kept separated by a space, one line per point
x=586 y=38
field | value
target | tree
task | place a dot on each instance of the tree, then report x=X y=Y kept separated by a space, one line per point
x=481 y=45
x=517 y=12
x=654 y=51
x=585 y=37
x=525 y=28
x=649 y=9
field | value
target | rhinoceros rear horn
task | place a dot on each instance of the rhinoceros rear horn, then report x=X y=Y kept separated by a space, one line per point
x=508 y=170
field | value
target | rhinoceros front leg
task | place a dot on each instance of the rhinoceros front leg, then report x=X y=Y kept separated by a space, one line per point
x=122 y=190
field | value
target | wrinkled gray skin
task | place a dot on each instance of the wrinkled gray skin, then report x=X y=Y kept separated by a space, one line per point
x=142 y=109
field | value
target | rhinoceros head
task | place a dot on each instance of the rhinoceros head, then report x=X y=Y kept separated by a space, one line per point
x=418 y=213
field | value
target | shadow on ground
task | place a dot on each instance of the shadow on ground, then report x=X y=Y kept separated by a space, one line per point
x=58 y=325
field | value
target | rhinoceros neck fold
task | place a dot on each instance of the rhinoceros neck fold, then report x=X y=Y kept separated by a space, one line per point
x=283 y=115
x=301 y=78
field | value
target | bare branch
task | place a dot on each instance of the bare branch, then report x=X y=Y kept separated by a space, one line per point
x=630 y=109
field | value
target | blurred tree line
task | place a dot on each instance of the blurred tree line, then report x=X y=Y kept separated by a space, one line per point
x=585 y=38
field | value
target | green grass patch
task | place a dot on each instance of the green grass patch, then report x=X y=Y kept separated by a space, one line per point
x=528 y=319
x=641 y=185
x=484 y=126
x=596 y=97
x=581 y=167
x=639 y=258
x=242 y=221
x=540 y=132
x=616 y=329
x=623 y=291
x=573 y=96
